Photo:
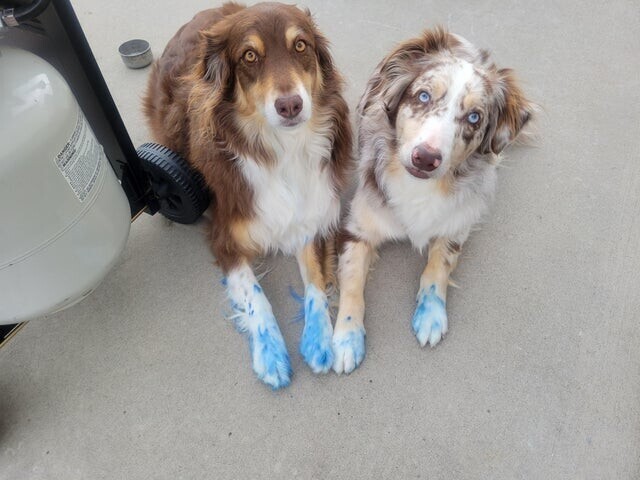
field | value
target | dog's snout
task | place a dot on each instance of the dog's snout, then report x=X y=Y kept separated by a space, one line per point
x=425 y=158
x=289 y=107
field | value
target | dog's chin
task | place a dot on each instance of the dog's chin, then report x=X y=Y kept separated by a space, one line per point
x=422 y=174
x=290 y=124
x=286 y=124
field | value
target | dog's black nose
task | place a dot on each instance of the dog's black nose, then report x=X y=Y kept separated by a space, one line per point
x=289 y=107
x=426 y=158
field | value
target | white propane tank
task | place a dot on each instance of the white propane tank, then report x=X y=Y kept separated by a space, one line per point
x=64 y=218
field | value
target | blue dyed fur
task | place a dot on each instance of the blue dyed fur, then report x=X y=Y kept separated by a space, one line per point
x=315 y=344
x=269 y=355
x=430 y=318
x=299 y=316
x=349 y=349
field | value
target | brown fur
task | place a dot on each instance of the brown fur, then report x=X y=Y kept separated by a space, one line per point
x=201 y=102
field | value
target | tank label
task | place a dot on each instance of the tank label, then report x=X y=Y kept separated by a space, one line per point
x=80 y=160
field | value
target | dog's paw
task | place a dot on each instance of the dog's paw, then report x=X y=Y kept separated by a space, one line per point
x=315 y=344
x=430 y=318
x=348 y=349
x=269 y=355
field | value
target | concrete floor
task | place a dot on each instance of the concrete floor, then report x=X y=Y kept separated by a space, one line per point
x=539 y=377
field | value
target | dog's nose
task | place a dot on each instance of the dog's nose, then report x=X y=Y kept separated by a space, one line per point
x=289 y=107
x=425 y=158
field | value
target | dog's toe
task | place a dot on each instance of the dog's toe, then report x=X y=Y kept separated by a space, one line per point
x=315 y=344
x=316 y=351
x=270 y=357
x=430 y=318
x=348 y=350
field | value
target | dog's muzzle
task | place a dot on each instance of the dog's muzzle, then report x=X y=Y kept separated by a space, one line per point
x=424 y=160
x=289 y=109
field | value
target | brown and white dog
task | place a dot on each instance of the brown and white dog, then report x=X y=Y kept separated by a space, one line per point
x=251 y=97
x=433 y=119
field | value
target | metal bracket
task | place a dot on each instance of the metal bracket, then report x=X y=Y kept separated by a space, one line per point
x=8 y=18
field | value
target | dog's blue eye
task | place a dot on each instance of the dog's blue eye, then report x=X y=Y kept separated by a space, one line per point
x=473 y=118
x=424 y=97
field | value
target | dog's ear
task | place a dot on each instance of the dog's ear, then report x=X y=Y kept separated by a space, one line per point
x=401 y=67
x=325 y=60
x=510 y=113
x=216 y=66
x=397 y=72
x=323 y=54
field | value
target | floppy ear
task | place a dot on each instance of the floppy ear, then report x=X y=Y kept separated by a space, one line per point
x=510 y=113
x=325 y=60
x=401 y=67
x=398 y=71
x=216 y=66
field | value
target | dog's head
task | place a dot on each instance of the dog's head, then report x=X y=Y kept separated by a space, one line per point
x=269 y=60
x=446 y=102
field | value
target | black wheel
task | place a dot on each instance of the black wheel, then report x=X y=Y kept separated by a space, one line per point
x=180 y=191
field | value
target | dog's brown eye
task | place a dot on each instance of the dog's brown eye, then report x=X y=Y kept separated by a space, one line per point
x=300 y=46
x=250 y=56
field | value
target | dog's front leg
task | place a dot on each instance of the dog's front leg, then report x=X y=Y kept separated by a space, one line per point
x=348 y=337
x=315 y=344
x=430 y=318
x=253 y=314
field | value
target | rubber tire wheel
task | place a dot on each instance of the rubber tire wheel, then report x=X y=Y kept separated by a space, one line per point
x=180 y=190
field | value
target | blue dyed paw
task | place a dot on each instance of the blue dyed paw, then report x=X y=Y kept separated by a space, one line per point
x=315 y=344
x=348 y=349
x=430 y=318
x=269 y=356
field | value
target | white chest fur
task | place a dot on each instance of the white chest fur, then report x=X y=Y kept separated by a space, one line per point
x=294 y=199
x=425 y=212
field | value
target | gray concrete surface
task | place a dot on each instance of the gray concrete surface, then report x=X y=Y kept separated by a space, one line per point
x=539 y=377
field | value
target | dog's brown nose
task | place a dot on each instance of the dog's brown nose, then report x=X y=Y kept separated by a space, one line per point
x=425 y=158
x=289 y=107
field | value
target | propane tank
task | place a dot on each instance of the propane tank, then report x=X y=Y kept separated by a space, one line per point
x=64 y=218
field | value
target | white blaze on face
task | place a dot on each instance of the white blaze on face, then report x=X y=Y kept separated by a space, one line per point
x=275 y=120
x=438 y=130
